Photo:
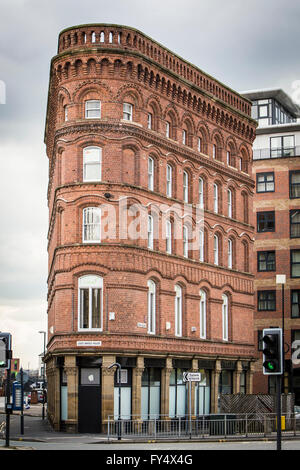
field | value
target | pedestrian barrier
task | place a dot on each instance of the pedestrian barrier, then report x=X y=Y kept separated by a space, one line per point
x=191 y=427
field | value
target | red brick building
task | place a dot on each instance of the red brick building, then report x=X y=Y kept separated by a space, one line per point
x=276 y=170
x=145 y=150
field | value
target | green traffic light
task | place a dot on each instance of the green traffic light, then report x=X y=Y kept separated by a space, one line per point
x=270 y=366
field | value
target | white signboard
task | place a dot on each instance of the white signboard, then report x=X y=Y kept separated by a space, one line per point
x=191 y=376
x=89 y=343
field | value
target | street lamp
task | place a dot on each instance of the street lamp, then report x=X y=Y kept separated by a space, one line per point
x=116 y=364
x=43 y=413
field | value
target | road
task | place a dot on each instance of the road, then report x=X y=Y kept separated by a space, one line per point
x=174 y=447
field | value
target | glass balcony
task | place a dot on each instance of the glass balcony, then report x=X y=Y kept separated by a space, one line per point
x=279 y=152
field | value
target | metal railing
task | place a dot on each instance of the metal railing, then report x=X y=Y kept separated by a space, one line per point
x=206 y=426
x=280 y=152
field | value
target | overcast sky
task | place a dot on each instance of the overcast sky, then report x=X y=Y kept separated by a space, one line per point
x=244 y=44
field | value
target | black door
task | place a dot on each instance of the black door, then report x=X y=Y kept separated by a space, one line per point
x=89 y=400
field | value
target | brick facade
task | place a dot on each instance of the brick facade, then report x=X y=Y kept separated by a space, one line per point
x=117 y=65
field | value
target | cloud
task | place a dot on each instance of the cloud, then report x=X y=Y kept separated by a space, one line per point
x=246 y=45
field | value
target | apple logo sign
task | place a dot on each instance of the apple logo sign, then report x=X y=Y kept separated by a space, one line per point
x=91 y=378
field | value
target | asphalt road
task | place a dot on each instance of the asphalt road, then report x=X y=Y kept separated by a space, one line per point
x=174 y=447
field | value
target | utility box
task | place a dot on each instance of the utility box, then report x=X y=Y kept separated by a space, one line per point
x=34 y=397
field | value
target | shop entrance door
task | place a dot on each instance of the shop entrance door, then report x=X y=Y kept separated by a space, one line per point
x=89 y=400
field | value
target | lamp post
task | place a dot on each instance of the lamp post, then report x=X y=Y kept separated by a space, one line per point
x=281 y=279
x=43 y=412
x=116 y=364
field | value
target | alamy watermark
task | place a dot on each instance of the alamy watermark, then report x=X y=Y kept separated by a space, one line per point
x=2 y=92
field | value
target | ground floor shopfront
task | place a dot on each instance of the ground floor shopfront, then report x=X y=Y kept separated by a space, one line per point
x=83 y=392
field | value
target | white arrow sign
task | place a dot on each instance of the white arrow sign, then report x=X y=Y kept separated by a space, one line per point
x=191 y=376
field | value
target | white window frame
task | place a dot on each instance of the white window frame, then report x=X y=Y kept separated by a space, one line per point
x=85 y=212
x=230 y=253
x=150 y=174
x=216 y=198
x=151 y=307
x=169 y=180
x=95 y=108
x=185 y=187
x=90 y=282
x=201 y=192
x=168 y=236
x=185 y=241
x=229 y=200
x=178 y=310
x=127 y=111
x=149 y=120
x=201 y=245
x=216 y=250
x=184 y=136
x=202 y=319
x=85 y=163
x=225 y=317
x=150 y=232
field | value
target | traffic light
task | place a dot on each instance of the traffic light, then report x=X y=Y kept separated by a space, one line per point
x=272 y=351
x=5 y=350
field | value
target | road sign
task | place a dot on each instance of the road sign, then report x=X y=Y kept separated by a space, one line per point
x=191 y=376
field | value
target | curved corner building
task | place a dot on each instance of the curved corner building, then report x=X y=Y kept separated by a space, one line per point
x=150 y=232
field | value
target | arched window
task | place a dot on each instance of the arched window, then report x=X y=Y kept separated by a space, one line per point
x=201 y=245
x=185 y=241
x=151 y=307
x=214 y=151
x=216 y=198
x=185 y=187
x=90 y=302
x=246 y=256
x=229 y=203
x=200 y=144
x=169 y=180
x=168 y=236
x=245 y=208
x=66 y=112
x=202 y=314
x=216 y=250
x=127 y=111
x=225 y=317
x=230 y=253
x=93 y=109
x=150 y=232
x=178 y=310
x=151 y=174
x=92 y=164
x=91 y=224
x=201 y=193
